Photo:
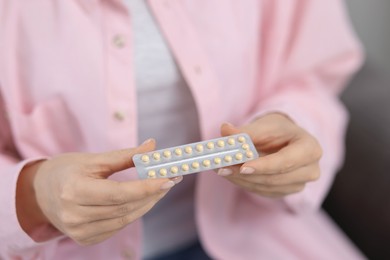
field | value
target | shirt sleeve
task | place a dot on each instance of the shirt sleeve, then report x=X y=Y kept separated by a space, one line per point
x=309 y=53
x=13 y=239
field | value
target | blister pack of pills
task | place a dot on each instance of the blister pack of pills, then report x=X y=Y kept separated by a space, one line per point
x=195 y=157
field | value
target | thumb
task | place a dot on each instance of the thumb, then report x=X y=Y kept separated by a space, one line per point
x=119 y=160
x=251 y=129
x=229 y=129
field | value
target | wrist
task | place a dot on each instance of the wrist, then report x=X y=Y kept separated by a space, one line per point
x=30 y=215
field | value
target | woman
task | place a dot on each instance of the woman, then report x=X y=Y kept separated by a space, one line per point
x=81 y=78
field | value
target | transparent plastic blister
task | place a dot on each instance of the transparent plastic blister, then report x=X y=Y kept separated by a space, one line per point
x=195 y=157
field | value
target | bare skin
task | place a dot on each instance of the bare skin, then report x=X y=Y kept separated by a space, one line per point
x=290 y=157
x=70 y=194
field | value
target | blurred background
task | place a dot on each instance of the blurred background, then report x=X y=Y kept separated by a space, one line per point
x=360 y=198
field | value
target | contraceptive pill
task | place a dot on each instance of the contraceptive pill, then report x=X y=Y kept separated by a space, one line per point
x=195 y=157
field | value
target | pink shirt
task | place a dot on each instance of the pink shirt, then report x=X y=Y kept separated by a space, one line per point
x=166 y=112
x=66 y=85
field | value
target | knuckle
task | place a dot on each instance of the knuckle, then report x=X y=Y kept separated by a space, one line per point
x=287 y=167
x=124 y=210
x=66 y=195
x=123 y=221
x=116 y=197
x=70 y=191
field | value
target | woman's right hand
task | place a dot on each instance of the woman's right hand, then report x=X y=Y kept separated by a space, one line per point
x=75 y=196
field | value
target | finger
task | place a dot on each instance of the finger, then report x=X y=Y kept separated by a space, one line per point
x=298 y=153
x=229 y=129
x=99 y=192
x=265 y=138
x=263 y=133
x=120 y=160
x=92 y=229
x=86 y=214
x=229 y=170
x=302 y=175
x=97 y=239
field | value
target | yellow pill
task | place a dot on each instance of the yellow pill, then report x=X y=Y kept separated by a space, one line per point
x=178 y=152
x=245 y=147
x=185 y=167
x=174 y=170
x=241 y=139
x=145 y=158
x=249 y=154
x=210 y=145
x=199 y=148
x=167 y=154
x=221 y=143
x=239 y=156
x=206 y=163
x=195 y=165
x=231 y=141
x=228 y=158
x=188 y=150
x=163 y=172
x=152 y=174
x=217 y=160
x=156 y=156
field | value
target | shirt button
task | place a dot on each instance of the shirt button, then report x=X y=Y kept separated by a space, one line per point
x=119 y=116
x=127 y=254
x=119 y=41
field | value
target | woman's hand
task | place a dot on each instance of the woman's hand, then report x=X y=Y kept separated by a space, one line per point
x=75 y=196
x=289 y=157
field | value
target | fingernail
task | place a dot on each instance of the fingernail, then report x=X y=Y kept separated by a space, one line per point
x=177 y=179
x=224 y=172
x=247 y=170
x=168 y=185
x=147 y=141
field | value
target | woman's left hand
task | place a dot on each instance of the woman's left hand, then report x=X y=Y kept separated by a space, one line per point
x=289 y=157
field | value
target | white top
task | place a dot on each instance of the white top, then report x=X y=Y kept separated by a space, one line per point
x=166 y=112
